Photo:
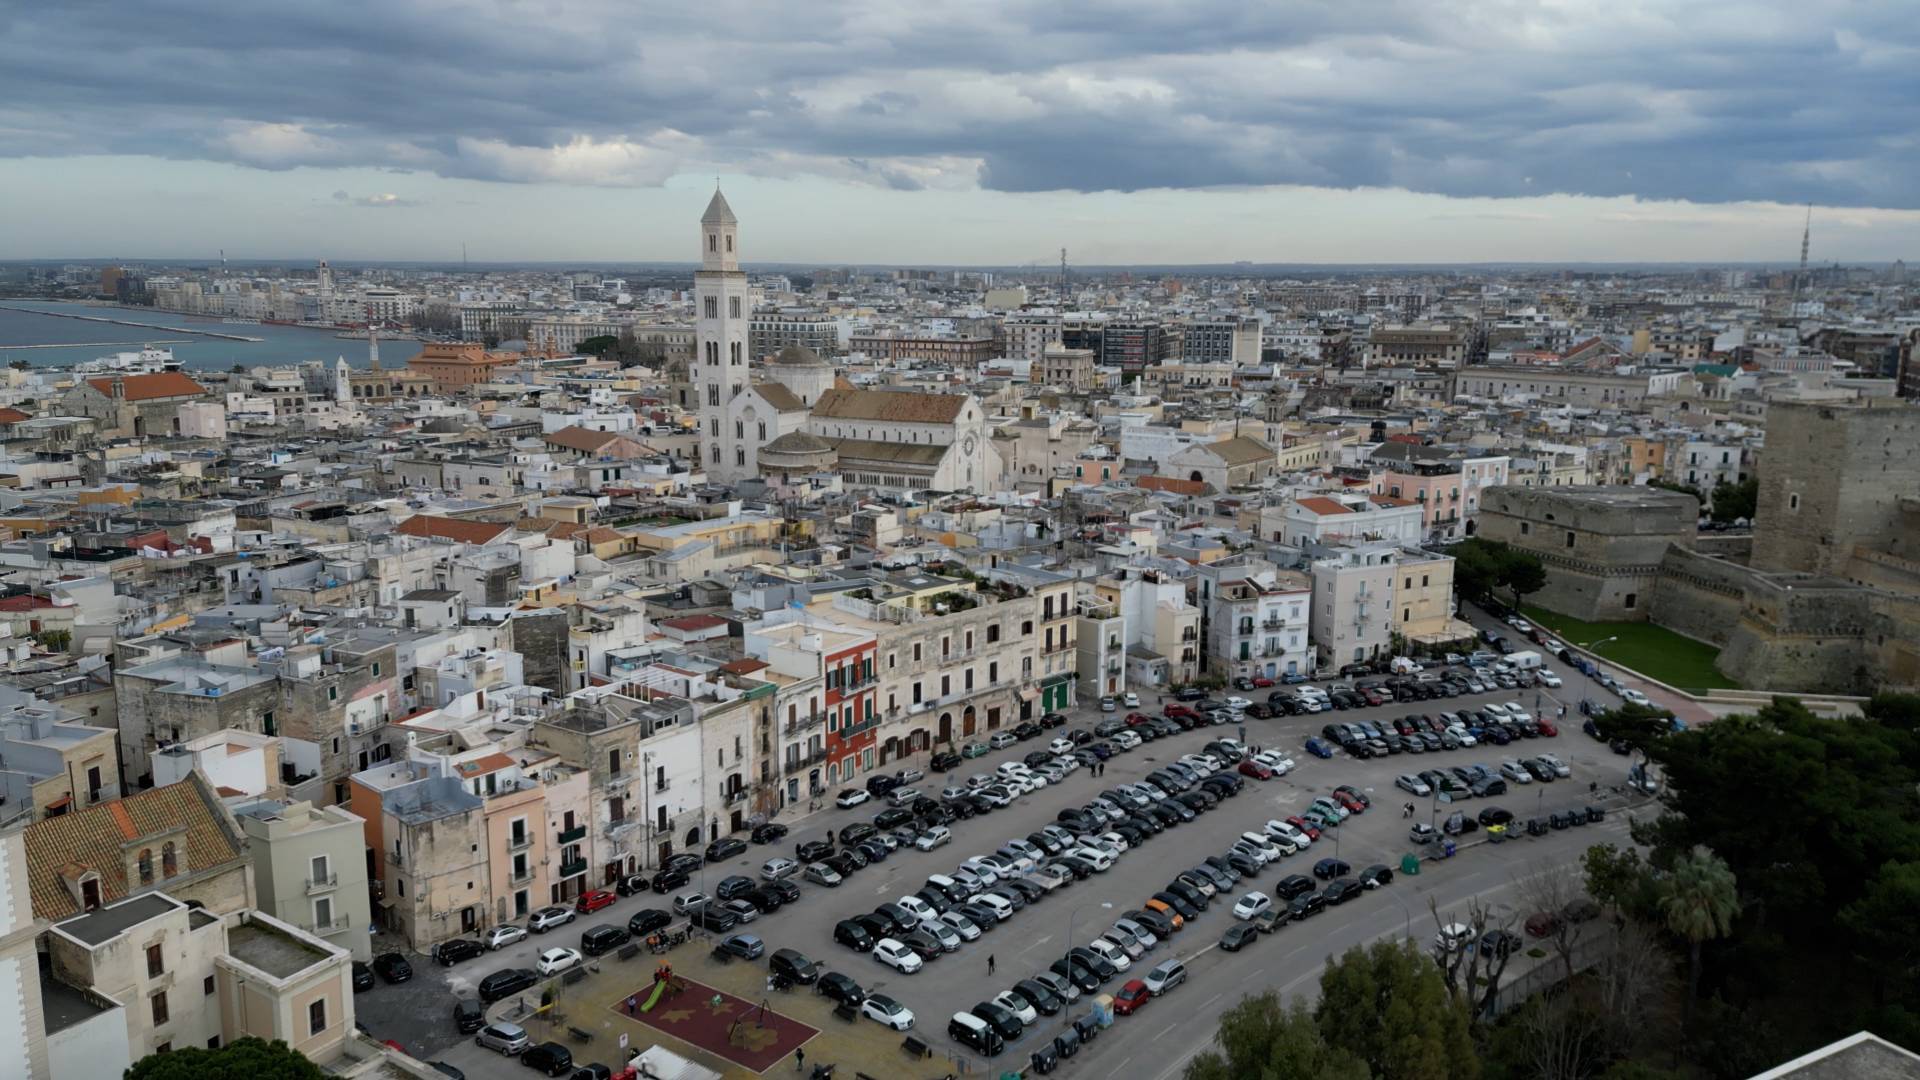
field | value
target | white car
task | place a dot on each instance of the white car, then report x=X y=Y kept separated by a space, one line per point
x=1138 y=932
x=1257 y=854
x=961 y=925
x=885 y=1010
x=1412 y=785
x=502 y=936
x=549 y=917
x=1115 y=841
x=917 y=907
x=1460 y=732
x=1252 y=904
x=554 y=961
x=1495 y=710
x=1520 y=624
x=688 y=903
x=1111 y=953
x=1060 y=746
x=1515 y=712
x=1130 y=700
x=1169 y=974
x=1512 y=770
x=1635 y=697
x=1546 y=678
x=896 y=956
x=851 y=797
x=1238 y=704
x=1126 y=740
x=1002 y=910
x=1017 y=1005
x=1282 y=830
x=1094 y=857
x=1125 y=941
x=976 y=875
x=933 y=838
x=1552 y=761
x=1280 y=763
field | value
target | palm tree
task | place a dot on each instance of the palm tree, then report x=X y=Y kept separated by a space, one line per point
x=1700 y=902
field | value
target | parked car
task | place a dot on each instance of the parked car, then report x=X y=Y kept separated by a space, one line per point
x=594 y=899
x=392 y=967
x=503 y=1037
x=547 y=918
x=454 y=950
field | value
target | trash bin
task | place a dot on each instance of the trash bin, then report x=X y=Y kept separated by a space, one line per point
x=1447 y=849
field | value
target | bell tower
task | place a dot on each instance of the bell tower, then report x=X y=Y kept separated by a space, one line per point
x=720 y=321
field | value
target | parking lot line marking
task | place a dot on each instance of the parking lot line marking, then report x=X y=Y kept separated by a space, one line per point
x=1211 y=1000
x=1168 y=1030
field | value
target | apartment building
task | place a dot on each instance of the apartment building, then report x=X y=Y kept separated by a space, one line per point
x=310 y=869
x=1353 y=602
x=50 y=762
x=1162 y=628
x=1258 y=625
x=1101 y=645
x=1340 y=517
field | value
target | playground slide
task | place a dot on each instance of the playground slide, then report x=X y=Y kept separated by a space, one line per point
x=654 y=998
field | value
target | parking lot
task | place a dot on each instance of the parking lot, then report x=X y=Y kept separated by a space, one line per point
x=1034 y=937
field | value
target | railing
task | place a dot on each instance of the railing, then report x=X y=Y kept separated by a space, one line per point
x=662 y=784
x=520 y=843
x=804 y=760
x=570 y=869
x=1273 y=623
x=732 y=797
x=520 y=877
x=396 y=858
x=322 y=884
x=331 y=926
x=619 y=780
x=1272 y=650
x=805 y=723
x=578 y=832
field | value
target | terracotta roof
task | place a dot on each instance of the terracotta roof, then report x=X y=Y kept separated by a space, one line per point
x=93 y=839
x=1321 y=505
x=918 y=455
x=601 y=534
x=744 y=666
x=897 y=406
x=1389 y=500
x=585 y=440
x=147 y=387
x=13 y=416
x=1173 y=485
x=694 y=622
x=778 y=396
x=483 y=765
x=446 y=528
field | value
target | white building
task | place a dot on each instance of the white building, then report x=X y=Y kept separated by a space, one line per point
x=1341 y=518
x=1259 y=624
x=720 y=368
x=1353 y=602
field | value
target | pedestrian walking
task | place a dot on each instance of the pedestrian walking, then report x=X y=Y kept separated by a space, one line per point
x=989 y=965
x=829 y=837
x=799 y=1058
x=633 y=1004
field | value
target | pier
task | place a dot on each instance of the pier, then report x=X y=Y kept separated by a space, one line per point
x=141 y=325
x=98 y=345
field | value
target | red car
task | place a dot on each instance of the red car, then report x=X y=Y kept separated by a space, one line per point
x=1256 y=770
x=1304 y=826
x=1135 y=719
x=1547 y=729
x=1262 y=682
x=1348 y=801
x=1131 y=997
x=1355 y=794
x=593 y=900
x=1177 y=709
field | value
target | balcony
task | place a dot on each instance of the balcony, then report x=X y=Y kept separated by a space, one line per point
x=619 y=781
x=396 y=858
x=573 y=835
x=520 y=877
x=319 y=885
x=328 y=928
x=662 y=784
x=803 y=724
x=573 y=869
x=731 y=797
x=1273 y=623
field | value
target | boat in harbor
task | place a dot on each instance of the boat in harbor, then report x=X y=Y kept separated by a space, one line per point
x=145 y=362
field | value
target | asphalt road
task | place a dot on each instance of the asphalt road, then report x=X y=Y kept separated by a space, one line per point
x=1158 y=1040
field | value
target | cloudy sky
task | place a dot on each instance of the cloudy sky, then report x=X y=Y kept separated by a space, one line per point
x=978 y=132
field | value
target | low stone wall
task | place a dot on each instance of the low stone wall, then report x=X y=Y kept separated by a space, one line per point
x=1699 y=596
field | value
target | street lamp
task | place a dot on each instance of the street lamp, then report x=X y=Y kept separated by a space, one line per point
x=1596 y=644
x=1106 y=904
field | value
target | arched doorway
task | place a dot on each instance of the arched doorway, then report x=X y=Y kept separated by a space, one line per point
x=967 y=721
x=1194 y=476
x=693 y=836
x=946 y=728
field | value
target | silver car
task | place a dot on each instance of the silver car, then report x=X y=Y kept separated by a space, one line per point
x=509 y=1039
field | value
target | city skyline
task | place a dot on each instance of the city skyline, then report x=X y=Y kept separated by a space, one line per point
x=990 y=135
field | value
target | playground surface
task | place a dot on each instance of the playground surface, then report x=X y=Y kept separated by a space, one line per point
x=725 y=1025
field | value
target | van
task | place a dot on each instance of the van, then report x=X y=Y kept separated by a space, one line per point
x=600 y=940
x=972 y=1032
x=1000 y=741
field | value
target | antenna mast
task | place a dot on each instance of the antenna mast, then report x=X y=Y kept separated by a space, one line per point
x=1063 y=272
x=1800 y=277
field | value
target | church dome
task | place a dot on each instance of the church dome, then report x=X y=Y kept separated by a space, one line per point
x=798 y=452
x=798 y=356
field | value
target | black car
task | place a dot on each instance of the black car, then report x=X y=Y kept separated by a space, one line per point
x=769 y=833
x=1238 y=936
x=1305 y=905
x=1341 y=890
x=840 y=988
x=1080 y=868
x=960 y=808
x=812 y=851
x=786 y=891
x=844 y=864
x=733 y=887
x=943 y=761
x=1375 y=876
x=505 y=983
x=550 y=1058
x=726 y=847
x=921 y=942
x=1494 y=815
x=763 y=898
x=1328 y=869
x=362 y=977
x=898 y=920
x=454 y=950
x=715 y=918
x=686 y=862
x=647 y=921
x=1027 y=889
x=1195 y=899
x=853 y=935
x=873 y=851
x=669 y=880
x=1161 y=926
x=1027 y=730
x=469 y=1015
x=1080 y=975
x=881 y=784
x=857 y=832
x=892 y=818
x=1178 y=903
x=1044 y=1001
x=793 y=966
x=875 y=926
x=1100 y=964
x=392 y=967
x=631 y=884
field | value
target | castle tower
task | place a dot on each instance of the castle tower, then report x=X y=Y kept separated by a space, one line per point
x=720 y=324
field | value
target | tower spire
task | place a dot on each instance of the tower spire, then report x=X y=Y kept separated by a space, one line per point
x=373 y=342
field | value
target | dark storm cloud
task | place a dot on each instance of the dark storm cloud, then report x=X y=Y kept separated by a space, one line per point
x=1774 y=101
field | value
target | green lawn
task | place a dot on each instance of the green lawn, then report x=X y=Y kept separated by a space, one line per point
x=1651 y=650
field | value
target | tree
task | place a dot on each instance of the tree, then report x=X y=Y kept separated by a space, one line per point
x=1388 y=1006
x=598 y=346
x=1476 y=569
x=1260 y=1037
x=1552 y=891
x=1736 y=500
x=245 y=1058
x=1522 y=572
x=1471 y=975
x=1700 y=902
x=1619 y=880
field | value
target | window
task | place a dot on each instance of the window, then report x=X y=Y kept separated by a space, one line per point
x=733 y=302
x=333 y=693
x=763 y=431
x=713 y=242
x=1569 y=537
x=1525 y=528
x=206 y=986
x=267 y=724
x=319 y=866
x=739 y=429
x=317 y=1017
x=156 y=962
x=1630 y=600
x=146 y=866
x=1793 y=502
x=323 y=914
x=993 y=633
x=169 y=860
x=159 y=1004
x=376 y=669
x=713 y=307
